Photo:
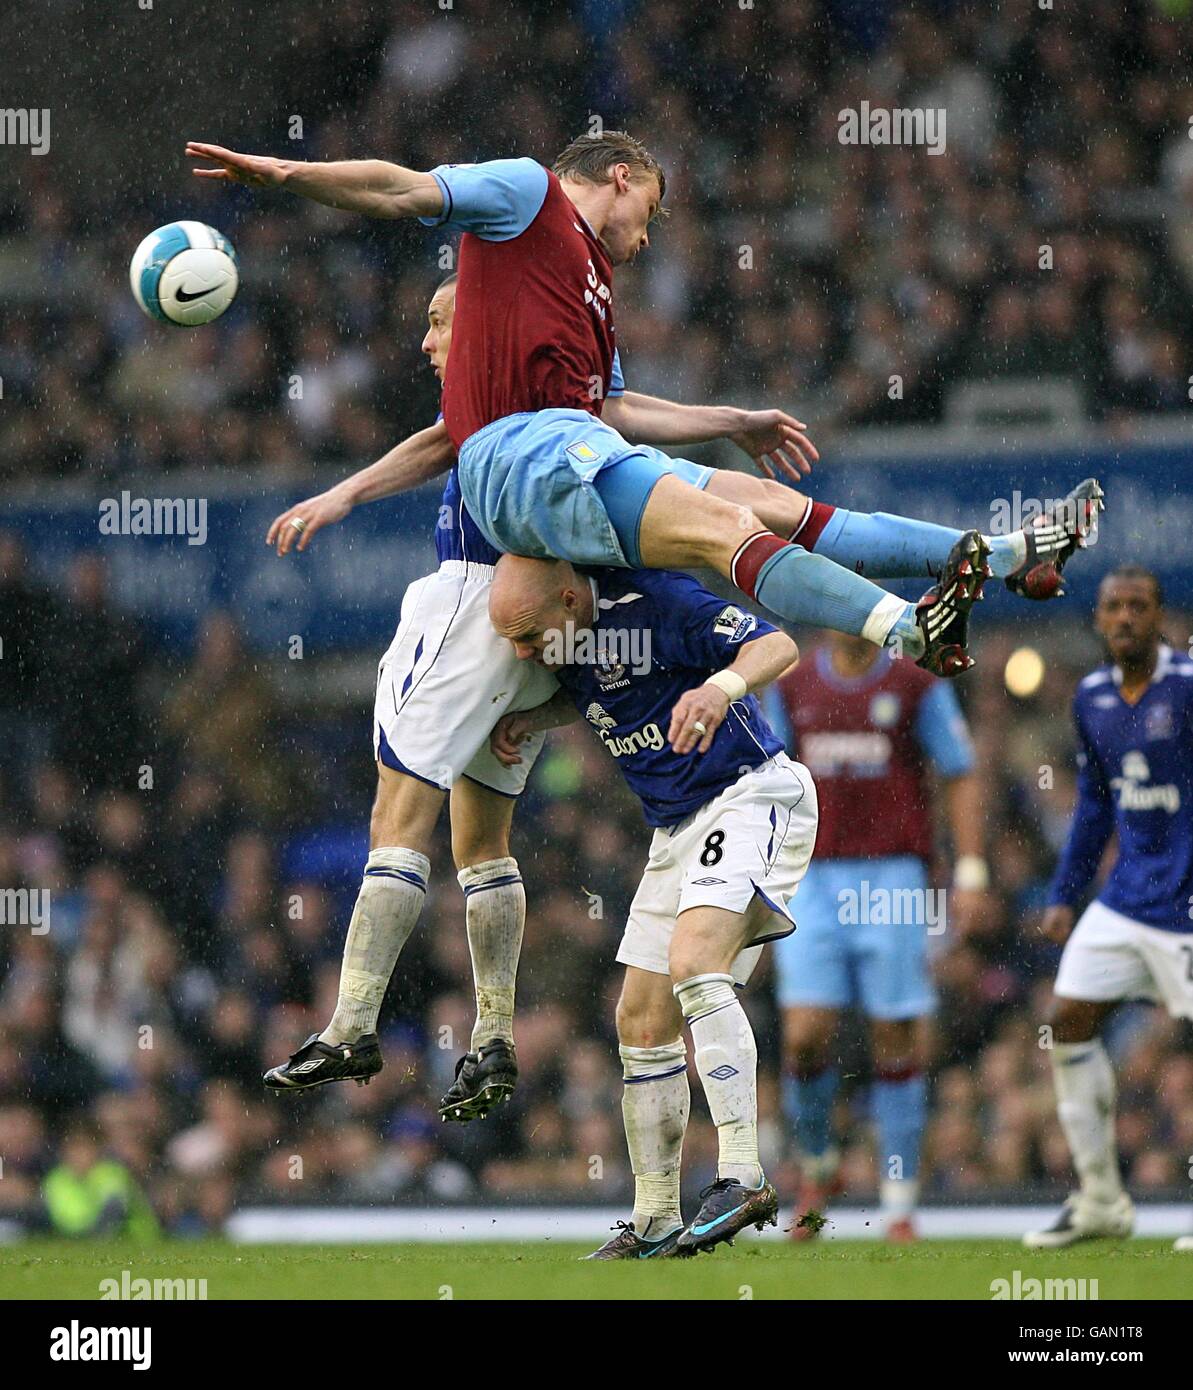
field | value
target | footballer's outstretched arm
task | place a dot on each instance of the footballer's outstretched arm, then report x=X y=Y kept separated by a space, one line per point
x=407 y=465
x=374 y=187
x=772 y=438
x=757 y=664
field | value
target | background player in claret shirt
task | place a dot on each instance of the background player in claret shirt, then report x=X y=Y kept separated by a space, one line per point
x=735 y=820
x=1134 y=719
x=870 y=730
x=534 y=362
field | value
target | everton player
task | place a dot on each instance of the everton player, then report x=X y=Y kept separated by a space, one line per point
x=543 y=474
x=872 y=732
x=1134 y=719
x=735 y=821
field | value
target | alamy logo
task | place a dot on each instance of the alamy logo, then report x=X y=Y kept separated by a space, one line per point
x=25 y=907
x=1017 y=1287
x=154 y=516
x=127 y=1289
x=26 y=125
x=1134 y=796
x=1053 y=518
x=611 y=651
x=83 y=1343
x=876 y=125
x=869 y=905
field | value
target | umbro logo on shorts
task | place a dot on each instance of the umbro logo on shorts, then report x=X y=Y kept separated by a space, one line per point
x=708 y=882
x=723 y=1072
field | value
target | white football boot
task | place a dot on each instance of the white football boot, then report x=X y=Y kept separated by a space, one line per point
x=1083 y=1219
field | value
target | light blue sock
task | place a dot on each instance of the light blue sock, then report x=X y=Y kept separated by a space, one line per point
x=899 y=1106
x=892 y=547
x=805 y=588
x=900 y=547
x=808 y=1102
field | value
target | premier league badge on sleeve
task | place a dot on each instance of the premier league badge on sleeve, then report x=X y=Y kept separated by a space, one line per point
x=734 y=623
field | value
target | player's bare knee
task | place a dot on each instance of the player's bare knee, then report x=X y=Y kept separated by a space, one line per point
x=895 y=1044
x=731 y=526
x=805 y=1055
x=695 y=957
x=805 y=1043
x=404 y=812
x=645 y=1023
x=478 y=849
x=1073 y=1020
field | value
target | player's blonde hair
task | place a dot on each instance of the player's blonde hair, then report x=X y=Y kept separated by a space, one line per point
x=589 y=157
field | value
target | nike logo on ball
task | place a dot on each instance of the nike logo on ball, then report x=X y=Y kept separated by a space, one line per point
x=183 y=298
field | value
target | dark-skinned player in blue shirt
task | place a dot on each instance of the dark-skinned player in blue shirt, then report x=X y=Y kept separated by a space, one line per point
x=1134 y=719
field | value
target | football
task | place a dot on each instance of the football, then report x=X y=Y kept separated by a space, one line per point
x=185 y=273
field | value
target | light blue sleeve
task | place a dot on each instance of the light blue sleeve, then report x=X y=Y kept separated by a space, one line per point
x=496 y=200
x=616 y=380
x=942 y=732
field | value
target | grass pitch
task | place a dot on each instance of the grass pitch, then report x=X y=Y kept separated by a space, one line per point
x=545 y=1270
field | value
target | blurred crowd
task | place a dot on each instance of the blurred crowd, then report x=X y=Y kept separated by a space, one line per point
x=1050 y=239
x=195 y=915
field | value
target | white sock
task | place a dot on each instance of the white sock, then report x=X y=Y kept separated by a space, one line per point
x=654 y=1107
x=1007 y=552
x=387 y=907
x=898 y=1197
x=727 y=1061
x=1085 y=1093
x=892 y=620
x=496 y=913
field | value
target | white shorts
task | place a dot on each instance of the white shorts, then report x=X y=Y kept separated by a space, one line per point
x=446 y=680
x=753 y=840
x=1110 y=957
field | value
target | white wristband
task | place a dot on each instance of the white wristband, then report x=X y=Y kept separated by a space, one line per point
x=730 y=682
x=971 y=873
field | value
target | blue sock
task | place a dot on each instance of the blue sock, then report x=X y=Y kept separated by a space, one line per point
x=898 y=1105
x=900 y=547
x=893 y=547
x=808 y=1102
x=806 y=588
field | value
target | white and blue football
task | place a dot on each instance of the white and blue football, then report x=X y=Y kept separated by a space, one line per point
x=184 y=273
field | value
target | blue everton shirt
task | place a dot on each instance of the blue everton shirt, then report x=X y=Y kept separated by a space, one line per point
x=1135 y=776
x=656 y=635
x=457 y=536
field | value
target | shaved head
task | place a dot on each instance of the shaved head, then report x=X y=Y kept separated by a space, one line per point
x=532 y=599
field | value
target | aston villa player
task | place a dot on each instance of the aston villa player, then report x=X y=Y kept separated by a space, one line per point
x=871 y=731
